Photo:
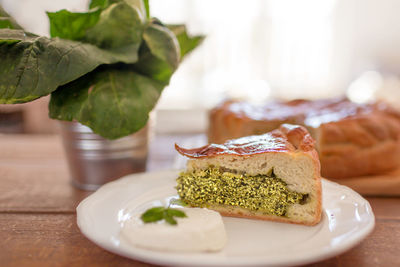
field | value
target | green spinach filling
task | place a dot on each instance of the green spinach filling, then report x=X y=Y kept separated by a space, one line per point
x=261 y=193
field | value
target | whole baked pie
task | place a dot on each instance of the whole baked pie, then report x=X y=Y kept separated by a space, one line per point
x=352 y=139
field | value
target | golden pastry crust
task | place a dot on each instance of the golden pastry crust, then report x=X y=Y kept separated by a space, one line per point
x=352 y=139
x=287 y=138
x=273 y=218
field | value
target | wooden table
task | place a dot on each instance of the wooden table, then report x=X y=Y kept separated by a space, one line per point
x=38 y=220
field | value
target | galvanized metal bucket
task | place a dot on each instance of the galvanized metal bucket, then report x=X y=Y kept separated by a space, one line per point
x=94 y=161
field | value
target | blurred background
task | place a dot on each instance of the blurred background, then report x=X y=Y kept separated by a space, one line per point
x=257 y=50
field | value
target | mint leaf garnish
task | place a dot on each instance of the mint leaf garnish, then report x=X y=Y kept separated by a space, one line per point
x=175 y=213
x=153 y=215
x=160 y=213
x=169 y=219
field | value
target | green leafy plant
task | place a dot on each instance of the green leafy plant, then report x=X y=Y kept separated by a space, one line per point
x=160 y=213
x=105 y=68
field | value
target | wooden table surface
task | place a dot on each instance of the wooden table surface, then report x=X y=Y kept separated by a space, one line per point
x=38 y=220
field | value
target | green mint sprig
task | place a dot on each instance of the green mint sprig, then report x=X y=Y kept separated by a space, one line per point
x=160 y=213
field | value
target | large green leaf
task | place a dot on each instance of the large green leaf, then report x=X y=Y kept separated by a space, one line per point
x=112 y=102
x=33 y=66
x=120 y=25
x=159 y=55
x=153 y=67
x=6 y=21
x=187 y=43
x=162 y=44
x=70 y=25
x=117 y=27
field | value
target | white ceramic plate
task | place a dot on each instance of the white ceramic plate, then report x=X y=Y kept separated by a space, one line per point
x=347 y=219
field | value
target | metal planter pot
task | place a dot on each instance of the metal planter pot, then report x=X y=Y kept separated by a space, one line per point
x=94 y=161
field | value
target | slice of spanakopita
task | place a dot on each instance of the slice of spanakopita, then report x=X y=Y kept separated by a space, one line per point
x=274 y=176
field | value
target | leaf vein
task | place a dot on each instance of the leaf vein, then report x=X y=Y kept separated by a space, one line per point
x=65 y=54
x=114 y=89
x=24 y=60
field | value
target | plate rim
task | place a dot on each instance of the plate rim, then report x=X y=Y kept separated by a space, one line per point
x=147 y=256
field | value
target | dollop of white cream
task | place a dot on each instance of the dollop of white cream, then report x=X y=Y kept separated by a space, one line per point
x=201 y=230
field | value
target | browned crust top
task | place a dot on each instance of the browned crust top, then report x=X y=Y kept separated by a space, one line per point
x=310 y=113
x=287 y=138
